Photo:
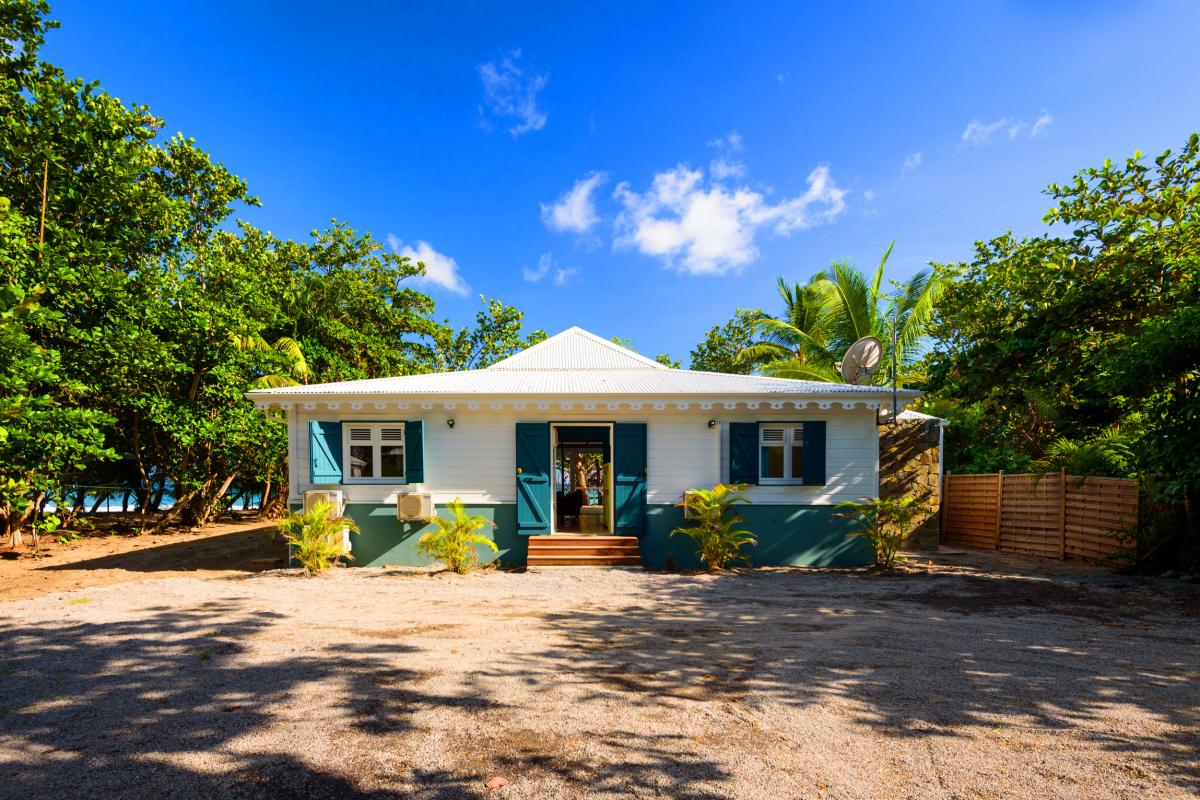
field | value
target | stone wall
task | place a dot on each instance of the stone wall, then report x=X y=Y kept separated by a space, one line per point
x=908 y=465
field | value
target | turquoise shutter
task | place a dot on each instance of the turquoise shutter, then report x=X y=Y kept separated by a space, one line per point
x=414 y=452
x=814 y=454
x=629 y=478
x=533 y=478
x=743 y=452
x=325 y=452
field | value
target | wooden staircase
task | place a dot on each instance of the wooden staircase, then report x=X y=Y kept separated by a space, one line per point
x=584 y=550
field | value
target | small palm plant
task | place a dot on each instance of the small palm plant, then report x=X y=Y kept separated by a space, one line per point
x=453 y=539
x=717 y=537
x=885 y=523
x=315 y=536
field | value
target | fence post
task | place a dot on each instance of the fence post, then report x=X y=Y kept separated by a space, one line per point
x=944 y=508
x=999 y=504
x=1062 y=514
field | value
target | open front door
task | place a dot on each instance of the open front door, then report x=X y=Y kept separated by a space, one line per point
x=629 y=478
x=533 y=478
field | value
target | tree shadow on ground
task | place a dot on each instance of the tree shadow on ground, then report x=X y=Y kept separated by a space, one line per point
x=179 y=703
x=907 y=659
x=252 y=550
x=122 y=709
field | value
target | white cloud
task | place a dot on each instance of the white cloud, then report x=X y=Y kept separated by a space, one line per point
x=730 y=142
x=509 y=91
x=575 y=211
x=546 y=267
x=440 y=269
x=911 y=163
x=1039 y=126
x=869 y=196
x=711 y=229
x=979 y=133
x=725 y=166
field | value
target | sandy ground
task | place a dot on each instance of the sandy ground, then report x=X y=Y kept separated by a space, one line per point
x=971 y=677
x=100 y=559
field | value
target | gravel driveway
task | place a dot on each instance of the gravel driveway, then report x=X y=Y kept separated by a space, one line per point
x=941 y=682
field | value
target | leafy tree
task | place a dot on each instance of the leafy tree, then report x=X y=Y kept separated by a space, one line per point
x=824 y=317
x=716 y=532
x=1088 y=326
x=43 y=442
x=137 y=316
x=495 y=336
x=667 y=361
x=315 y=536
x=722 y=346
x=453 y=540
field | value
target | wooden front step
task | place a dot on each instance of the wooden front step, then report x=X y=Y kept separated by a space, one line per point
x=567 y=550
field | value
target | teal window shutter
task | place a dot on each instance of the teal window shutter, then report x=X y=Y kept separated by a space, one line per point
x=743 y=452
x=414 y=452
x=629 y=478
x=814 y=453
x=325 y=452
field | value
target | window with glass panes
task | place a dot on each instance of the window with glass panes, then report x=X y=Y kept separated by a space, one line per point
x=373 y=452
x=781 y=453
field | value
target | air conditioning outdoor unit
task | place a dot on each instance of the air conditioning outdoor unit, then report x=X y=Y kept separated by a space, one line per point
x=414 y=506
x=688 y=513
x=333 y=496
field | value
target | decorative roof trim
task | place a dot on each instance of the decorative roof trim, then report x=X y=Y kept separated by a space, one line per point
x=571 y=404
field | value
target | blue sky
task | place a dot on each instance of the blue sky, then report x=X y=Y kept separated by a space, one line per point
x=639 y=169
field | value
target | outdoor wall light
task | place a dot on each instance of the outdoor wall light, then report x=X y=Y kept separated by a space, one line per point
x=712 y=423
x=450 y=423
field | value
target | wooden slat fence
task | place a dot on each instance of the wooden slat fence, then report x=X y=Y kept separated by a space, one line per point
x=1060 y=516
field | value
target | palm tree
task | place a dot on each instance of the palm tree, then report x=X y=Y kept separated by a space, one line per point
x=285 y=346
x=824 y=317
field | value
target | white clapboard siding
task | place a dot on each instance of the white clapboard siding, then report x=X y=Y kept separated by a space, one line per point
x=475 y=460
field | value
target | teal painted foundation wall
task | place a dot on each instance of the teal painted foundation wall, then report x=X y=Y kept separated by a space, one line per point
x=808 y=536
x=787 y=536
x=386 y=541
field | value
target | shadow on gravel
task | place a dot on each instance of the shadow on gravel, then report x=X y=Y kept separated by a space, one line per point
x=110 y=710
x=252 y=550
x=169 y=706
x=935 y=659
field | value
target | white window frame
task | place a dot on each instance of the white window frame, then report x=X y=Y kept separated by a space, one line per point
x=377 y=444
x=793 y=433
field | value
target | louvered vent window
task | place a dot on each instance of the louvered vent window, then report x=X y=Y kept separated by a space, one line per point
x=375 y=452
x=781 y=453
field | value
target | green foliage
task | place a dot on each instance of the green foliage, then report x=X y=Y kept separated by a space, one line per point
x=722 y=346
x=1108 y=453
x=454 y=539
x=315 y=536
x=1055 y=339
x=884 y=523
x=495 y=336
x=715 y=530
x=131 y=336
x=833 y=310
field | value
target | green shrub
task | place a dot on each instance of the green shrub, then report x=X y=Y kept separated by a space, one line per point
x=315 y=536
x=453 y=540
x=885 y=523
x=718 y=540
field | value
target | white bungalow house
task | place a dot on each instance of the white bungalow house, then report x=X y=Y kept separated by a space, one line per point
x=579 y=450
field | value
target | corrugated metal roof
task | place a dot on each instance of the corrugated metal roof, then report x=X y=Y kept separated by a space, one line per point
x=575 y=363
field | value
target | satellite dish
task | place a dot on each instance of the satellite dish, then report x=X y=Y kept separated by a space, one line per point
x=861 y=360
